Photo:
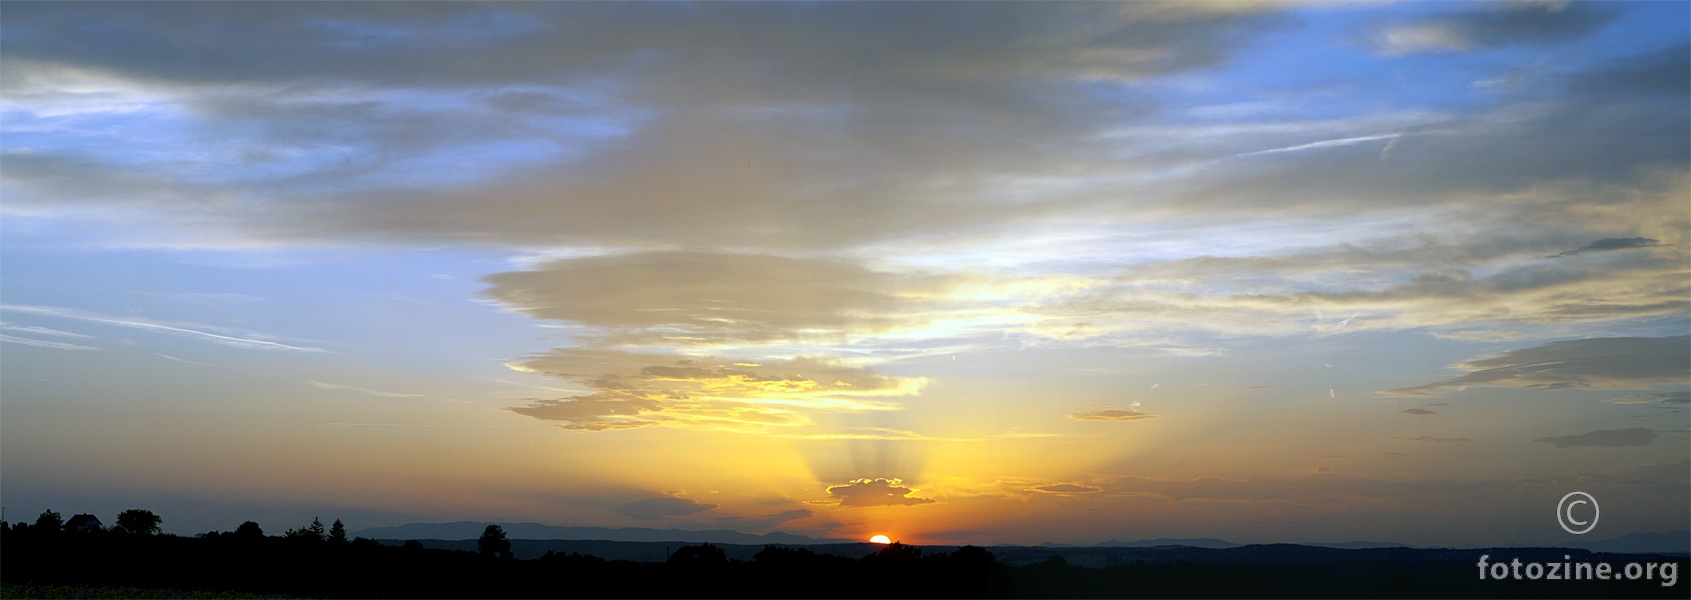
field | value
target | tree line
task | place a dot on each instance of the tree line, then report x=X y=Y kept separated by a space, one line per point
x=318 y=561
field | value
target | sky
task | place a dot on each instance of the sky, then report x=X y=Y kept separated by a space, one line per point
x=1002 y=273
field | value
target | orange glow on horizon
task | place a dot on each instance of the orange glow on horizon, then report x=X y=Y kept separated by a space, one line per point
x=880 y=539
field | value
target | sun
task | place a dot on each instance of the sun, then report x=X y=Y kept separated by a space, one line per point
x=880 y=539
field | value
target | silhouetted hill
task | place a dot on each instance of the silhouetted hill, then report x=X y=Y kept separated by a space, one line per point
x=1673 y=542
x=1193 y=542
x=1360 y=545
x=470 y=530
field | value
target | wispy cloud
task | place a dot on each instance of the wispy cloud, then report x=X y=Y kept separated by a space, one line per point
x=1596 y=363
x=41 y=331
x=43 y=344
x=653 y=509
x=1326 y=144
x=223 y=340
x=332 y=386
x=1636 y=436
x=1113 y=414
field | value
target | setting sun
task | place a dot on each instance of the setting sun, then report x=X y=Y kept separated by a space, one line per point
x=880 y=539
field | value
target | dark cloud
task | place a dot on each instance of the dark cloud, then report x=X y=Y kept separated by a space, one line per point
x=1496 y=26
x=1114 y=414
x=1604 y=245
x=766 y=521
x=1417 y=411
x=590 y=412
x=1597 y=363
x=653 y=509
x=875 y=492
x=1068 y=488
x=1636 y=436
x=759 y=125
x=1667 y=398
x=709 y=297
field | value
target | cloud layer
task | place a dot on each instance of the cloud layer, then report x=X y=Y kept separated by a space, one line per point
x=1597 y=363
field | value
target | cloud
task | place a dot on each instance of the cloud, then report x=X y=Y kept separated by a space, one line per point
x=330 y=386
x=1432 y=439
x=1669 y=398
x=705 y=298
x=1608 y=244
x=1495 y=26
x=41 y=331
x=641 y=124
x=1417 y=411
x=222 y=340
x=1114 y=414
x=1597 y=363
x=654 y=509
x=640 y=390
x=43 y=343
x=1636 y=436
x=766 y=521
x=875 y=492
x=1067 y=488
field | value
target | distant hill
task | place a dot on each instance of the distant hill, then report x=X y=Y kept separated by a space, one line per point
x=470 y=530
x=1673 y=542
x=1360 y=545
x=1192 y=542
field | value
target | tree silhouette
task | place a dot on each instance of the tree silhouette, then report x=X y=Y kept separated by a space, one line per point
x=139 y=522
x=310 y=533
x=337 y=532
x=493 y=542
x=249 y=529
x=698 y=556
x=49 y=521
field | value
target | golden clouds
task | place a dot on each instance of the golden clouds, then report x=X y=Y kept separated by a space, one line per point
x=638 y=390
x=875 y=492
x=1114 y=414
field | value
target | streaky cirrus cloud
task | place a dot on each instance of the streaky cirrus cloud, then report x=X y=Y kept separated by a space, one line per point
x=44 y=343
x=333 y=386
x=1667 y=398
x=1596 y=363
x=1608 y=244
x=1067 y=488
x=1112 y=414
x=1634 y=436
x=133 y=323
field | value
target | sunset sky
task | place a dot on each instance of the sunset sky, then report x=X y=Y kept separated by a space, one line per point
x=949 y=272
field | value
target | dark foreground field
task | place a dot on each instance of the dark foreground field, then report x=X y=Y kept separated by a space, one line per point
x=113 y=565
